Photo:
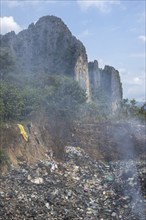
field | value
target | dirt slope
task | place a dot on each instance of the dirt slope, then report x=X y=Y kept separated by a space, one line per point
x=102 y=141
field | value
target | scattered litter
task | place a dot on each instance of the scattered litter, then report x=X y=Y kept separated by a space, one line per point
x=38 y=180
x=79 y=188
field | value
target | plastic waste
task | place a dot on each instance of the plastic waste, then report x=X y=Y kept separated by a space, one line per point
x=23 y=132
x=38 y=180
x=110 y=178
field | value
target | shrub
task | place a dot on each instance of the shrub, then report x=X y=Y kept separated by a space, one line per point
x=4 y=159
x=6 y=62
x=60 y=96
x=66 y=98
x=11 y=103
x=130 y=109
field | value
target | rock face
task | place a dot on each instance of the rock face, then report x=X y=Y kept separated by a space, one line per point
x=108 y=81
x=48 y=47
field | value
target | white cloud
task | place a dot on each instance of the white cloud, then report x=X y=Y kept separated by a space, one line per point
x=137 y=92
x=132 y=78
x=122 y=71
x=142 y=17
x=103 y=6
x=13 y=3
x=85 y=33
x=142 y=38
x=137 y=55
x=133 y=84
x=137 y=81
x=133 y=29
x=8 y=24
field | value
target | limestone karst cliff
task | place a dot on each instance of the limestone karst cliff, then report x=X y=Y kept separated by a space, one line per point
x=48 y=47
x=107 y=81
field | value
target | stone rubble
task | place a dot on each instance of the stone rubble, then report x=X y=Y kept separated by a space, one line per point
x=79 y=188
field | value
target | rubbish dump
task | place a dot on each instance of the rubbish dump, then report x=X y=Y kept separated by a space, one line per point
x=78 y=188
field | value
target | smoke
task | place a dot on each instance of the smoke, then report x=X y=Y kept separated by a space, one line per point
x=127 y=136
x=129 y=176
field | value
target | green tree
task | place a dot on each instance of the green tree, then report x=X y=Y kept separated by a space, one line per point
x=102 y=103
x=131 y=109
x=32 y=98
x=6 y=62
x=142 y=111
x=66 y=97
x=60 y=97
x=11 y=103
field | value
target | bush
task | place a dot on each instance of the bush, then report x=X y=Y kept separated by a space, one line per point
x=66 y=98
x=11 y=103
x=60 y=96
x=130 y=109
x=6 y=62
x=93 y=112
x=4 y=159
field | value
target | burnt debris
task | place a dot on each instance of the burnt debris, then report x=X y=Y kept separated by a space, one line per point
x=78 y=188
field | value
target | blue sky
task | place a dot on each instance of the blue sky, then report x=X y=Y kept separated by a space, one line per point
x=112 y=31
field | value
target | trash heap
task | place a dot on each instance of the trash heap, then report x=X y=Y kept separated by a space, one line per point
x=77 y=188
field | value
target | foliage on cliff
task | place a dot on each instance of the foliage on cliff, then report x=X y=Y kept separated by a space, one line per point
x=6 y=62
x=11 y=102
x=62 y=96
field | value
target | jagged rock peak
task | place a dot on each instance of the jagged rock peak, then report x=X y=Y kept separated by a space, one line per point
x=93 y=64
x=107 y=80
x=51 y=19
x=9 y=35
x=110 y=69
x=31 y=26
x=51 y=22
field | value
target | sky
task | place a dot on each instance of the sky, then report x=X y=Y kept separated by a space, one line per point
x=112 y=31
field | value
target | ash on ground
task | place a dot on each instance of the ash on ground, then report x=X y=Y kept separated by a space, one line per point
x=78 y=188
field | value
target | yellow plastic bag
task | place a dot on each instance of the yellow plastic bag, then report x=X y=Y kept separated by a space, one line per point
x=23 y=132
